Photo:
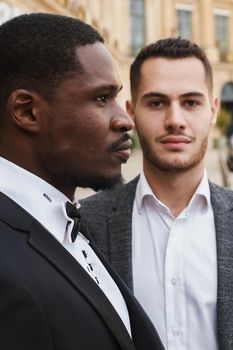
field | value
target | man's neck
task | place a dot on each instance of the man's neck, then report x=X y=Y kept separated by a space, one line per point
x=174 y=189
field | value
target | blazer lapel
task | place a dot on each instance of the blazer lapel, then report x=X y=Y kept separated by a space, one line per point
x=120 y=232
x=46 y=245
x=222 y=202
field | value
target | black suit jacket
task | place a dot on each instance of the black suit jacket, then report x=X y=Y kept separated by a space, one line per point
x=47 y=300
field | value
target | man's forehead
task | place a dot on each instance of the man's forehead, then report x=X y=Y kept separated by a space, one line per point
x=161 y=75
x=94 y=55
x=98 y=63
x=185 y=66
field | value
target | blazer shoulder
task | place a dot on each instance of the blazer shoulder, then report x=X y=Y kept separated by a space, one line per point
x=13 y=214
x=221 y=197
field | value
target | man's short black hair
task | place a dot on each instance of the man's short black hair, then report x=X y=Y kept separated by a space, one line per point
x=38 y=50
x=170 y=48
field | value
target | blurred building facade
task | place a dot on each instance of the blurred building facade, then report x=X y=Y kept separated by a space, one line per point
x=127 y=25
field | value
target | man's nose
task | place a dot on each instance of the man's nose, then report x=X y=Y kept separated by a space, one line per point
x=122 y=121
x=175 y=118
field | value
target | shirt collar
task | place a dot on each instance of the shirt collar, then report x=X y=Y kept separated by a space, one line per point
x=40 y=199
x=203 y=192
x=144 y=191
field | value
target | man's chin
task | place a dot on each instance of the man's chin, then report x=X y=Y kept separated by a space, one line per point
x=102 y=183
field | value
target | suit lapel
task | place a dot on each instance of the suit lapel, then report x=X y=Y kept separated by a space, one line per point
x=222 y=202
x=120 y=232
x=46 y=245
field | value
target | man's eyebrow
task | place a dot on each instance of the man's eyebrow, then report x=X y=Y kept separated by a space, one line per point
x=112 y=88
x=160 y=95
x=153 y=94
x=193 y=94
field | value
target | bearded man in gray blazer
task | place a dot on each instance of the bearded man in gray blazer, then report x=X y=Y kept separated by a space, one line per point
x=168 y=233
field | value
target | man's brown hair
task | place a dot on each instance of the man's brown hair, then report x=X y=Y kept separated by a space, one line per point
x=170 y=48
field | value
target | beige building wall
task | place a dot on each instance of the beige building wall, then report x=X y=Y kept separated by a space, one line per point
x=203 y=32
x=112 y=19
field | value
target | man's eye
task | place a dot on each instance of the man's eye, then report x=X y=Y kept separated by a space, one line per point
x=102 y=98
x=157 y=104
x=191 y=103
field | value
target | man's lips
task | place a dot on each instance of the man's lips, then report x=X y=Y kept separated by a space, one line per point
x=123 y=149
x=175 y=142
x=175 y=139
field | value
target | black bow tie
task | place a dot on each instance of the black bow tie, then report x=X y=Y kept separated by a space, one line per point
x=74 y=214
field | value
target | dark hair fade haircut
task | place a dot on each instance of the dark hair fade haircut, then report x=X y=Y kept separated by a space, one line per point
x=170 y=48
x=38 y=50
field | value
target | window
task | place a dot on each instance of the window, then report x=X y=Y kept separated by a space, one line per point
x=137 y=25
x=184 y=23
x=221 y=35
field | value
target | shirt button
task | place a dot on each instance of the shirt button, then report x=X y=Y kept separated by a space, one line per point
x=176 y=332
x=173 y=281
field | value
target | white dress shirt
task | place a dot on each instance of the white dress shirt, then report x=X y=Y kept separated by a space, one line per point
x=175 y=267
x=47 y=205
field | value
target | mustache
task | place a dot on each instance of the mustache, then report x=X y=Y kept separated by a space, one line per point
x=175 y=133
x=117 y=144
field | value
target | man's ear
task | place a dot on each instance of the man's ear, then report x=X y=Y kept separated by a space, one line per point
x=22 y=108
x=130 y=109
x=214 y=111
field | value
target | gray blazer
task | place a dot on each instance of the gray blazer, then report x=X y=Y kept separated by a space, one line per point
x=109 y=216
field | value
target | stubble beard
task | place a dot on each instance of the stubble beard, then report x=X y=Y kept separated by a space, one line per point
x=174 y=164
x=100 y=183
